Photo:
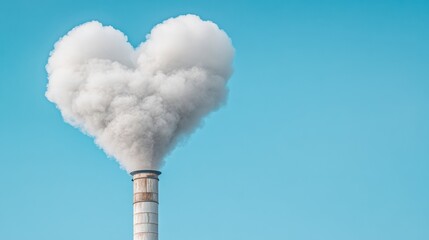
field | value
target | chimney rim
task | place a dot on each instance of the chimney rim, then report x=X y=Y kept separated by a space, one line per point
x=145 y=171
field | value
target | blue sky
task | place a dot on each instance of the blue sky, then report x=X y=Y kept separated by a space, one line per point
x=325 y=134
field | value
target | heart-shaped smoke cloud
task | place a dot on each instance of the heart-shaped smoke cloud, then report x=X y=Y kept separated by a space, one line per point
x=138 y=103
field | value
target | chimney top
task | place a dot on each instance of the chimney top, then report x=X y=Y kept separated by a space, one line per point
x=145 y=171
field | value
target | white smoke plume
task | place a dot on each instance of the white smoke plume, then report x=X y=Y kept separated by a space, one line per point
x=139 y=102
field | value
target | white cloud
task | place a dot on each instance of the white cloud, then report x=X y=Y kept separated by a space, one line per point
x=137 y=103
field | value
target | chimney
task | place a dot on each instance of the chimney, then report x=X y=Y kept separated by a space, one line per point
x=145 y=204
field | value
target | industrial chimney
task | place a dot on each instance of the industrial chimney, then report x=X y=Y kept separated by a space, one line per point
x=145 y=204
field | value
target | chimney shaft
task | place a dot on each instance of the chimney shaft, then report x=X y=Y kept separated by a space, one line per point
x=145 y=204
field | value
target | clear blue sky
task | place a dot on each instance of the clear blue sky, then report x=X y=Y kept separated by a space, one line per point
x=325 y=135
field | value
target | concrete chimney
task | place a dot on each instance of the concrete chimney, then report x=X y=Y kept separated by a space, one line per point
x=145 y=204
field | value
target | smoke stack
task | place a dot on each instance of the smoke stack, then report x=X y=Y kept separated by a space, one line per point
x=145 y=204
x=138 y=103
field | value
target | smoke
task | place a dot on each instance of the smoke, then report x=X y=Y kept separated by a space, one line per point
x=139 y=102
